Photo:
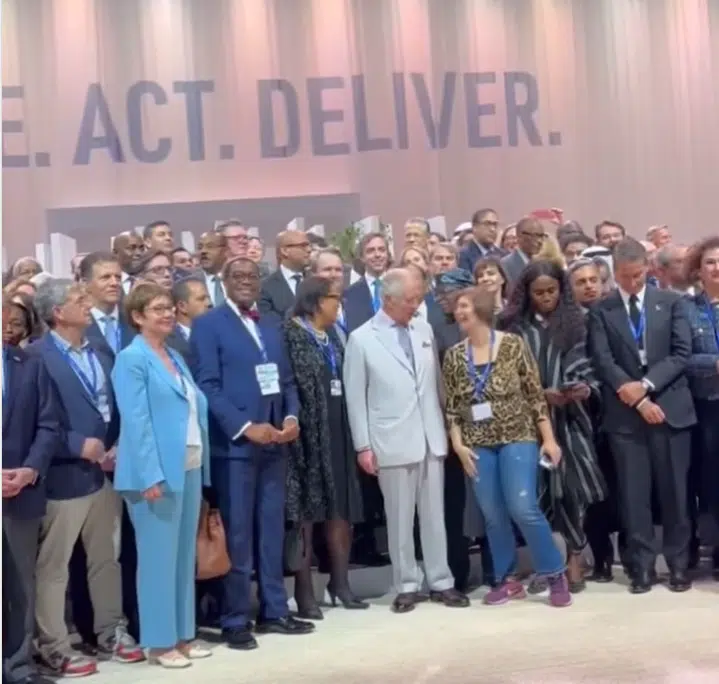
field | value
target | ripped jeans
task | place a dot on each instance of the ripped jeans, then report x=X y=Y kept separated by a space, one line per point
x=506 y=490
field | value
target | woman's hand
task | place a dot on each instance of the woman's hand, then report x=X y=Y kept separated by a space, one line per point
x=467 y=459
x=153 y=493
x=555 y=397
x=551 y=450
x=579 y=392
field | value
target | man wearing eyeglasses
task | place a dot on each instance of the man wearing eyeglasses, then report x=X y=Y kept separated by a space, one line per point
x=236 y=236
x=278 y=290
x=156 y=267
x=530 y=237
x=484 y=238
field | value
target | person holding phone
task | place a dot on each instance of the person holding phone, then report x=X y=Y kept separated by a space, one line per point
x=542 y=310
x=495 y=410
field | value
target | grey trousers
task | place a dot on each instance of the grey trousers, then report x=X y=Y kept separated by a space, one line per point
x=405 y=489
x=92 y=518
x=20 y=542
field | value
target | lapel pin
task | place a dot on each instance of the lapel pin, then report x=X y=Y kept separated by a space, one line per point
x=658 y=307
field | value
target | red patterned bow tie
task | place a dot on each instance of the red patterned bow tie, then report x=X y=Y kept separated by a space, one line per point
x=252 y=314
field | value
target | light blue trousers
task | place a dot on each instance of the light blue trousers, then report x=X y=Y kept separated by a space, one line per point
x=166 y=539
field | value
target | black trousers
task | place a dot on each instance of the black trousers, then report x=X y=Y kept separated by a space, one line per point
x=657 y=457
x=19 y=554
x=708 y=442
x=455 y=492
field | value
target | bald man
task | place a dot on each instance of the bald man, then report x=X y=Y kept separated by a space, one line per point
x=129 y=249
x=277 y=295
x=212 y=252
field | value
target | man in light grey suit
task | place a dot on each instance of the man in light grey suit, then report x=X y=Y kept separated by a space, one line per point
x=392 y=385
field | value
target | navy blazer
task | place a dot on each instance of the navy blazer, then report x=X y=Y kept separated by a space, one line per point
x=702 y=368
x=224 y=355
x=276 y=297
x=31 y=438
x=471 y=253
x=71 y=476
x=96 y=338
x=357 y=305
x=176 y=340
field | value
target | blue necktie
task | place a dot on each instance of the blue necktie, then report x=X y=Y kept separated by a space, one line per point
x=376 y=301
x=219 y=298
x=406 y=343
x=111 y=333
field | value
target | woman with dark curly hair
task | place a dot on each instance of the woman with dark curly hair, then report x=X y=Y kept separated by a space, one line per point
x=543 y=312
x=322 y=477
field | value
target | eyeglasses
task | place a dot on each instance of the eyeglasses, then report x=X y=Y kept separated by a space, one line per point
x=489 y=224
x=161 y=309
x=533 y=236
x=160 y=270
x=244 y=277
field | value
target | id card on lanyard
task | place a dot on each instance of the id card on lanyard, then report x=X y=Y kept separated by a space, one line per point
x=638 y=334
x=267 y=374
x=90 y=384
x=482 y=410
x=328 y=351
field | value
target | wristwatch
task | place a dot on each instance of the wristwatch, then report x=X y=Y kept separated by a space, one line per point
x=647 y=385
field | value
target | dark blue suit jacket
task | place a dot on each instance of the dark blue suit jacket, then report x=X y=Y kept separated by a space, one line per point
x=99 y=343
x=224 y=355
x=31 y=438
x=471 y=254
x=71 y=476
x=357 y=305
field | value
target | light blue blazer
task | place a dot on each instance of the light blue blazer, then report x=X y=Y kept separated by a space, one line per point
x=153 y=420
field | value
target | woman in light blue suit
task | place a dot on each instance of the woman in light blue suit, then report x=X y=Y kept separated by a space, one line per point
x=162 y=455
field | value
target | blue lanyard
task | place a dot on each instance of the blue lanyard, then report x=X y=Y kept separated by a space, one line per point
x=328 y=350
x=480 y=382
x=711 y=314
x=261 y=344
x=89 y=385
x=342 y=322
x=638 y=333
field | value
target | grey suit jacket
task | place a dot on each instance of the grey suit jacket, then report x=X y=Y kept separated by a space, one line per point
x=394 y=409
x=513 y=264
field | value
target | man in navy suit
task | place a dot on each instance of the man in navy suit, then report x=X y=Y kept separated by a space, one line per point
x=484 y=240
x=108 y=334
x=81 y=500
x=240 y=363
x=191 y=300
x=29 y=442
x=363 y=299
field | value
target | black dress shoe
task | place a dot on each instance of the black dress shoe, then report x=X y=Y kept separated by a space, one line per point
x=284 y=625
x=602 y=573
x=679 y=581
x=404 y=603
x=310 y=613
x=450 y=598
x=239 y=638
x=346 y=598
x=641 y=582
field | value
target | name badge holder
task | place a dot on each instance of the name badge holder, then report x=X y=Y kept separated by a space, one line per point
x=482 y=410
x=328 y=351
x=267 y=373
x=638 y=335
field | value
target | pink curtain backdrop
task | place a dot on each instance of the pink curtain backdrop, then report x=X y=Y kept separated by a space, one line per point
x=629 y=86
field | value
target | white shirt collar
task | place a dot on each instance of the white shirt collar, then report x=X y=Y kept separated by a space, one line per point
x=185 y=330
x=99 y=316
x=370 y=279
x=625 y=297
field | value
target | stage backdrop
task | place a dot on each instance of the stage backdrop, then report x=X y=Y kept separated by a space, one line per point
x=606 y=108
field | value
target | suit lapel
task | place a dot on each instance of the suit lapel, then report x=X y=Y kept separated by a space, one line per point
x=655 y=320
x=620 y=320
x=237 y=326
x=12 y=386
x=156 y=362
x=97 y=339
x=388 y=337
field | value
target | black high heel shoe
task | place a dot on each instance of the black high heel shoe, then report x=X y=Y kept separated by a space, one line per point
x=348 y=601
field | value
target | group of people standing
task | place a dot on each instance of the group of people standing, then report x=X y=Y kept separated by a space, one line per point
x=463 y=393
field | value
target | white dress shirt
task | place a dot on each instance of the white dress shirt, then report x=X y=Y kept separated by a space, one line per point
x=210 y=279
x=193 y=453
x=127 y=281
x=185 y=330
x=640 y=304
x=290 y=278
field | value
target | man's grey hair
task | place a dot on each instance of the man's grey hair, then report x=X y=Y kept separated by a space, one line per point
x=230 y=223
x=664 y=255
x=314 y=259
x=447 y=247
x=50 y=295
x=394 y=283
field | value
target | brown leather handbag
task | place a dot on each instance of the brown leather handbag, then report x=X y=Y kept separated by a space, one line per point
x=212 y=557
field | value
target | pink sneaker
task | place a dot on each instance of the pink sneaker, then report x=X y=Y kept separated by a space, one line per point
x=509 y=590
x=559 y=594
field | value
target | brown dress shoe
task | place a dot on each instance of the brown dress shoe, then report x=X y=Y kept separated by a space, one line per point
x=450 y=598
x=404 y=603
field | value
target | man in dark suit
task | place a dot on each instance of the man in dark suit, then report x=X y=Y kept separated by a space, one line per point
x=128 y=248
x=640 y=343
x=191 y=300
x=363 y=299
x=81 y=500
x=213 y=252
x=484 y=240
x=277 y=294
x=30 y=435
x=108 y=331
x=239 y=361
x=530 y=237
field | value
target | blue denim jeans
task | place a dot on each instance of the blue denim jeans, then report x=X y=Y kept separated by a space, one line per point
x=506 y=490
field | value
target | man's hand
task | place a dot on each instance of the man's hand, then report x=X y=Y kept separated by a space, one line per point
x=262 y=433
x=367 y=461
x=290 y=431
x=14 y=480
x=651 y=412
x=109 y=459
x=555 y=398
x=631 y=393
x=93 y=450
